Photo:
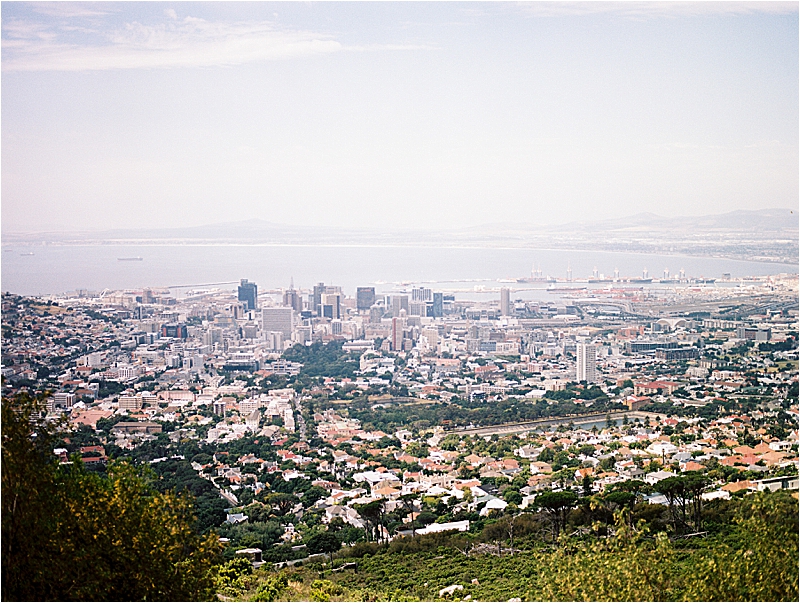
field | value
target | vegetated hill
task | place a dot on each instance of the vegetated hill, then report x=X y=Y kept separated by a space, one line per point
x=751 y=553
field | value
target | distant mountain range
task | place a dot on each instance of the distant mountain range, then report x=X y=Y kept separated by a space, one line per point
x=764 y=220
x=762 y=235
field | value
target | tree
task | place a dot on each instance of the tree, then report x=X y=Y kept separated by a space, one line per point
x=557 y=506
x=281 y=503
x=372 y=513
x=409 y=501
x=674 y=488
x=68 y=534
x=324 y=542
x=512 y=496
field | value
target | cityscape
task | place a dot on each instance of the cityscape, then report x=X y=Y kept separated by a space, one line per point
x=304 y=412
x=400 y=301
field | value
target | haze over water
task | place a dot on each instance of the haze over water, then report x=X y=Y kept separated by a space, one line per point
x=53 y=270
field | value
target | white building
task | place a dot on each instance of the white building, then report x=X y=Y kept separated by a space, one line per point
x=253 y=419
x=279 y=320
x=505 y=301
x=586 y=363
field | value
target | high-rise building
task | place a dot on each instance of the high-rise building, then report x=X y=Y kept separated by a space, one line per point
x=375 y=314
x=316 y=299
x=365 y=297
x=331 y=305
x=505 y=301
x=418 y=309
x=437 y=308
x=421 y=294
x=586 y=365
x=178 y=331
x=248 y=294
x=397 y=334
x=399 y=302
x=279 y=320
x=292 y=298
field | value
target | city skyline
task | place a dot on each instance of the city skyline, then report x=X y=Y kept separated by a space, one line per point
x=394 y=115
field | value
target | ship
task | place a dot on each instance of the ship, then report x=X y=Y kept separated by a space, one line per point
x=28 y=253
x=553 y=288
x=536 y=277
x=136 y=259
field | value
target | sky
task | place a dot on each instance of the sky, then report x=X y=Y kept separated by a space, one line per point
x=393 y=115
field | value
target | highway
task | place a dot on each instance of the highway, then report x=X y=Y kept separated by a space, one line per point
x=511 y=428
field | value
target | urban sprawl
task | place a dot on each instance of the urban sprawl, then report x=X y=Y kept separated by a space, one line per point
x=315 y=406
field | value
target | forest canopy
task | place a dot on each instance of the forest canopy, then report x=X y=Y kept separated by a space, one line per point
x=71 y=534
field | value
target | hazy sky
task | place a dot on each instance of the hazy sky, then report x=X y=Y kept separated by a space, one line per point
x=394 y=114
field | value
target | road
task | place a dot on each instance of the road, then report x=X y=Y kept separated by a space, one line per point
x=510 y=428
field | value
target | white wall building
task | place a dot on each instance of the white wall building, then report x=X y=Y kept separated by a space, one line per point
x=586 y=364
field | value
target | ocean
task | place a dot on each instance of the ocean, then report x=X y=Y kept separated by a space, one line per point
x=470 y=273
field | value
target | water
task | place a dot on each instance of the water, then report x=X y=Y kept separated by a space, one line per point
x=56 y=269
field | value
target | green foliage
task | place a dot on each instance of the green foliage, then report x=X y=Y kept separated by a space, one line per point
x=755 y=559
x=231 y=571
x=557 y=505
x=756 y=563
x=271 y=588
x=462 y=412
x=323 y=360
x=512 y=496
x=68 y=534
x=324 y=542
x=762 y=565
x=178 y=475
x=254 y=534
x=324 y=590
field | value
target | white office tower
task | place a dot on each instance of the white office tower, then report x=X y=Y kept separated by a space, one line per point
x=421 y=294
x=505 y=301
x=278 y=320
x=586 y=363
x=274 y=340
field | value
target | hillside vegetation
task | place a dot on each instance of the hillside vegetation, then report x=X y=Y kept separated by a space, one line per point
x=752 y=559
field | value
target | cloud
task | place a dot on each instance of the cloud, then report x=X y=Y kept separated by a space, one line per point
x=187 y=42
x=190 y=42
x=69 y=10
x=646 y=10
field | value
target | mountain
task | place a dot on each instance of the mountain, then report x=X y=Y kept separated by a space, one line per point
x=762 y=235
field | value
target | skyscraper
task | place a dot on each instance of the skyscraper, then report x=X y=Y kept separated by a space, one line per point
x=437 y=308
x=505 y=301
x=397 y=334
x=248 y=295
x=331 y=305
x=421 y=294
x=365 y=297
x=279 y=320
x=586 y=364
x=292 y=298
x=399 y=302
x=316 y=299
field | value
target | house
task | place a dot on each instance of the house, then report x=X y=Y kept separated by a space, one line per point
x=494 y=504
x=655 y=387
x=136 y=427
x=657 y=476
x=234 y=518
x=784 y=482
x=460 y=526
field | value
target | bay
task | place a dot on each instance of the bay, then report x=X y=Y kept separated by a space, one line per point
x=469 y=272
